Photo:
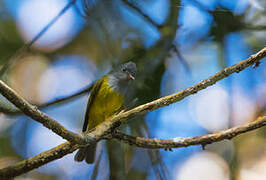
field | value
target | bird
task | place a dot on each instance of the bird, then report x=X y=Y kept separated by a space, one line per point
x=107 y=98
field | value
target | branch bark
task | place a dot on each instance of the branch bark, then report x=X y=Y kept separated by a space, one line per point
x=105 y=128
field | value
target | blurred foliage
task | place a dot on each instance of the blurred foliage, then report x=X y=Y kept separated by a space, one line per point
x=116 y=31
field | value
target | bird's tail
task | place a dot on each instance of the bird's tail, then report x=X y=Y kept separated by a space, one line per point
x=87 y=153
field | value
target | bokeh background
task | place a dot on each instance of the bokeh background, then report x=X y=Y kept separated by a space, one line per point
x=174 y=44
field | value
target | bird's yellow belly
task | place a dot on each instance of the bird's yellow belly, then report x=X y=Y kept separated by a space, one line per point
x=106 y=104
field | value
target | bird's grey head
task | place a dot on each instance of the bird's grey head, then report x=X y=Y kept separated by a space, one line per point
x=121 y=76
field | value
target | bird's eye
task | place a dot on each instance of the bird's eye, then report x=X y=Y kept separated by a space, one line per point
x=124 y=69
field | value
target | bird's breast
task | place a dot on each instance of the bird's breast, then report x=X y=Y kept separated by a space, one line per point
x=107 y=102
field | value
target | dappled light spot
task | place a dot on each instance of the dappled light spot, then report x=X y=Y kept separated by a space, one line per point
x=210 y=108
x=204 y=165
x=34 y=15
x=65 y=76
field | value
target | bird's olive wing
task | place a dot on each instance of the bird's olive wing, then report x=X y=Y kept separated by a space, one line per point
x=93 y=94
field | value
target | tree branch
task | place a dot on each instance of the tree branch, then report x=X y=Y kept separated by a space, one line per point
x=185 y=142
x=106 y=127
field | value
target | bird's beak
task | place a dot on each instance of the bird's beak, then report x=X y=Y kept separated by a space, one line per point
x=131 y=77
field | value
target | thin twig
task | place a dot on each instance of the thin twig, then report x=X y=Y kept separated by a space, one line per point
x=37 y=115
x=29 y=44
x=181 y=58
x=146 y=17
x=67 y=98
x=51 y=22
x=59 y=100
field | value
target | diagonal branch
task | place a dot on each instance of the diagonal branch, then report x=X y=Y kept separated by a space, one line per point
x=103 y=129
x=184 y=142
